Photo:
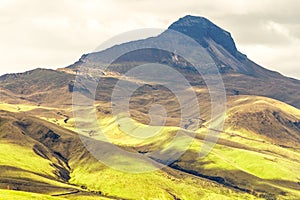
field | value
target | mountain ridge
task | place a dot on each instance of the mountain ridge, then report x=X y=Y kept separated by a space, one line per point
x=215 y=40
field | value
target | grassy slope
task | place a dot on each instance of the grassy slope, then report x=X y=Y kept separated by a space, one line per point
x=251 y=158
x=153 y=185
x=10 y=194
x=85 y=170
x=273 y=171
x=269 y=119
x=26 y=164
x=245 y=157
x=16 y=195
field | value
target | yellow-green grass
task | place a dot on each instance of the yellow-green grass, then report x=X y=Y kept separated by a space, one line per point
x=86 y=197
x=269 y=163
x=255 y=142
x=20 y=195
x=129 y=132
x=238 y=164
x=21 y=163
x=24 y=158
x=243 y=136
x=259 y=164
x=152 y=185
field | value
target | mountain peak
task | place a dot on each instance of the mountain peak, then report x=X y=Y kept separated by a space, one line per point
x=202 y=30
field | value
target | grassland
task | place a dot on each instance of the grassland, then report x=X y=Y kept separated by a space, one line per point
x=26 y=170
x=248 y=161
x=11 y=194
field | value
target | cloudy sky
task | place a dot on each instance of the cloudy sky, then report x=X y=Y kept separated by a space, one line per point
x=56 y=33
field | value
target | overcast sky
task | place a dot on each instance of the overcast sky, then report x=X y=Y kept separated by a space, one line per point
x=56 y=33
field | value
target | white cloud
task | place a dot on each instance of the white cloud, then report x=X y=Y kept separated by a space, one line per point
x=283 y=59
x=278 y=28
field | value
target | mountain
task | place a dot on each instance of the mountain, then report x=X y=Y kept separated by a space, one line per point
x=240 y=74
x=257 y=154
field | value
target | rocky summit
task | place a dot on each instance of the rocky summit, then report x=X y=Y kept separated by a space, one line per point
x=201 y=30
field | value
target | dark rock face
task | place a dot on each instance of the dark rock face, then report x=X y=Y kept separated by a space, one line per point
x=201 y=29
x=50 y=135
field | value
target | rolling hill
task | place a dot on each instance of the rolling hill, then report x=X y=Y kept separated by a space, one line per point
x=44 y=136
